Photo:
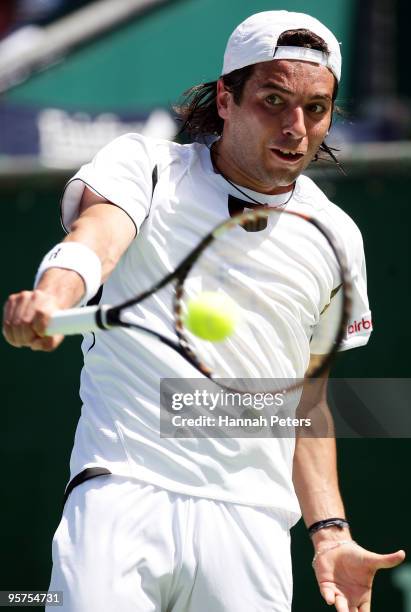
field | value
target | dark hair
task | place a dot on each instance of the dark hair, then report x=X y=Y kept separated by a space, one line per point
x=198 y=110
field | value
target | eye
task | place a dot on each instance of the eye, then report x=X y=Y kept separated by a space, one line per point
x=317 y=108
x=273 y=100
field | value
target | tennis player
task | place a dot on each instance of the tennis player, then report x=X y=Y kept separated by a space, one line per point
x=197 y=525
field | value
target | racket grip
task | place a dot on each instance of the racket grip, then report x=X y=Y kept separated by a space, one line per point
x=74 y=321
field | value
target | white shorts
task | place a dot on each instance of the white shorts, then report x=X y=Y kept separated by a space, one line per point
x=127 y=546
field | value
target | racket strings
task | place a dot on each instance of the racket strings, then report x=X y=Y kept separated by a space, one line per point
x=270 y=277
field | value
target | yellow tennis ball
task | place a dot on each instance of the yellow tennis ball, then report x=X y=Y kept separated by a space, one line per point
x=211 y=316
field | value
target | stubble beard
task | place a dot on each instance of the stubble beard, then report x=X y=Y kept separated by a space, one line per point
x=255 y=172
x=259 y=173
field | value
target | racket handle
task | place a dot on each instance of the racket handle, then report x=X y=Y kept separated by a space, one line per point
x=76 y=320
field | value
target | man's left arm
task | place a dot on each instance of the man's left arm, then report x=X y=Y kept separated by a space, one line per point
x=344 y=570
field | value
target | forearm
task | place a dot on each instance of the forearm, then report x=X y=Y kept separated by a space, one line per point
x=316 y=482
x=103 y=229
x=98 y=229
x=107 y=231
x=65 y=286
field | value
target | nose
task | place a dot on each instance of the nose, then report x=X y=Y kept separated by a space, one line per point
x=294 y=122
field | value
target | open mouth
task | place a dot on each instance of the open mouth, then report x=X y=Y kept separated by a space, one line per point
x=288 y=156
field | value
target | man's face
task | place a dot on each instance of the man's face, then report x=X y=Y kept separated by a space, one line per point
x=286 y=107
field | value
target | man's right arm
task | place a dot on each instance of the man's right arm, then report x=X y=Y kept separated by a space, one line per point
x=104 y=228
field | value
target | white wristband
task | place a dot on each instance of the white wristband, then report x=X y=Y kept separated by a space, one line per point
x=79 y=258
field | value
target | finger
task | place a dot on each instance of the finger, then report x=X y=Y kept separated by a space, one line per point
x=353 y=609
x=24 y=316
x=390 y=560
x=8 y=309
x=365 y=607
x=47 y=344
x=22 y=302
x=329 y=595
x=23 y=334
x=40 y=322
x=341 y=604
x=8 y=313
x=18 y=320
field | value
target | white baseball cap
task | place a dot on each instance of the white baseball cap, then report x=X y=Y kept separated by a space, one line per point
x=255 y=41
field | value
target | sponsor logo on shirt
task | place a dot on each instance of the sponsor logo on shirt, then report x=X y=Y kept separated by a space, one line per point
x=358 y=327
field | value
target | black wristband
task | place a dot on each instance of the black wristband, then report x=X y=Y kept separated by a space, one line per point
x=331 y=522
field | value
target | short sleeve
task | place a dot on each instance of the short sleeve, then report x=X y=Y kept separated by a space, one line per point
x=359 y=326
x=121 y=173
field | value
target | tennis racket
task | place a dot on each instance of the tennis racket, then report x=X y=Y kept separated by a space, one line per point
x=283 y=269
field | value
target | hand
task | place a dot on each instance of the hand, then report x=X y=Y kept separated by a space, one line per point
x=25 y=319
x=345 y=575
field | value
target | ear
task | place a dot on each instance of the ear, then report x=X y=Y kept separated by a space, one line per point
x=223 y=99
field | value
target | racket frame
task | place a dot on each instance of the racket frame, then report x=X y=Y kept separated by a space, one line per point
x=108 y=317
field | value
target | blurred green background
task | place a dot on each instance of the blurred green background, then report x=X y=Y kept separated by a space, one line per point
x=148 y=63
x=162 y=54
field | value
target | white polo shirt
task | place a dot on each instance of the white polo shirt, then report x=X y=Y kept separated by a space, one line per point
x=120 y=382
